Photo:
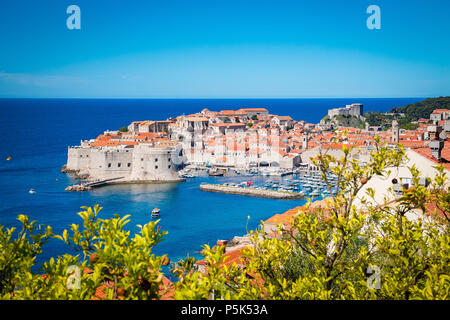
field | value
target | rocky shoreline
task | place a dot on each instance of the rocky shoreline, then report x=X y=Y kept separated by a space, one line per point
x=78 y=188
x=75 y=173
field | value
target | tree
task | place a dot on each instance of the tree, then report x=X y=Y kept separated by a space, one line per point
x=331 y=252
x=123 y=129
x=108 y=255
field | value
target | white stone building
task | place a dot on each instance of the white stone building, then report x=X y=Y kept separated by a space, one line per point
x=142 y=162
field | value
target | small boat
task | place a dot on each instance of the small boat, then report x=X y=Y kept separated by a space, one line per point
x=216 y=173
x=155 y=213
x=9 y=158
x=31 y=191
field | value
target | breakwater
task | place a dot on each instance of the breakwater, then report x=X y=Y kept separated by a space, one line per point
x=273 y=194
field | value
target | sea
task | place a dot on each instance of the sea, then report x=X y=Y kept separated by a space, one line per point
x=35 y=134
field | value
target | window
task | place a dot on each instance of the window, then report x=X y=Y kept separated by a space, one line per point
x=118 y=165
x=129 y=164
x=156 y=159
x=142 y=159
x=156 y=167
x=109 y=165
x=168 y=166
x=169 y=159
x=81 y=156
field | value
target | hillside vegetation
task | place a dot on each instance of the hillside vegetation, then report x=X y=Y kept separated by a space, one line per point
x=345 y=121
x=412 y=112
x=423 y=109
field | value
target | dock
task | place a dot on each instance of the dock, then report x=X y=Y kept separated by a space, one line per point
x=90 y=185
x=273 y=194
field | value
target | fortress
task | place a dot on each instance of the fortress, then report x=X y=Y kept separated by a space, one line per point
x=354 y=109
x=127 y=163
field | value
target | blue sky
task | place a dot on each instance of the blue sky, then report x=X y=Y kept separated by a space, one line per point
x=224 y=49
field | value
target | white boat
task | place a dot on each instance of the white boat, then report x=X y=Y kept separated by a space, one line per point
x=155 y=213
x=31 y=191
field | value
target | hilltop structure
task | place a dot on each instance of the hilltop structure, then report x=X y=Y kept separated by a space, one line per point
x=354 y=109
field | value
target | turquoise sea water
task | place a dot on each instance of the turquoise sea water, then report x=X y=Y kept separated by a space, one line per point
x=36 y=133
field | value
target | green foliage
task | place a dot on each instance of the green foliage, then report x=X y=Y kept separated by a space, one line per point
x=326 y=119
x=412 y=112
x=109 y=255
x=405 y=123
x=123 y=129
x=326 y=253
x=347 y=121
x=423 y=109
x=18 y=253
x=377 y=119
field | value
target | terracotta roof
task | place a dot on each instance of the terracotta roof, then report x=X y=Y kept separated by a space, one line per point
x=197 y=118
x=254 y=109
x=445 y=154
x=231 y=113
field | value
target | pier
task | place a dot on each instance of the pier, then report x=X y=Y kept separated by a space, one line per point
x=273 y=194
x=90 y=185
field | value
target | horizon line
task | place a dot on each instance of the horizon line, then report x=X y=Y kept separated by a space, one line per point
x=217 y=98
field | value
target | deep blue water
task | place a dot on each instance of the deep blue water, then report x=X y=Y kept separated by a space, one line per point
x=36 y=133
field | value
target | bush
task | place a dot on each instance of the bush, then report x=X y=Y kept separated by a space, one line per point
x=107 y=256
x=335 y=253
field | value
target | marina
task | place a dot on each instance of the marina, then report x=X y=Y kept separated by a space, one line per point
x=300 y=181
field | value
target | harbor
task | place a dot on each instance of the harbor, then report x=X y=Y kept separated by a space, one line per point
x=300 y=182
x=272 y=183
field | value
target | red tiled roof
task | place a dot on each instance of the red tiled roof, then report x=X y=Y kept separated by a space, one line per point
x=445 y=154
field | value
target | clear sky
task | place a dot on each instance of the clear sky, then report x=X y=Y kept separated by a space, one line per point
x=224 y=49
